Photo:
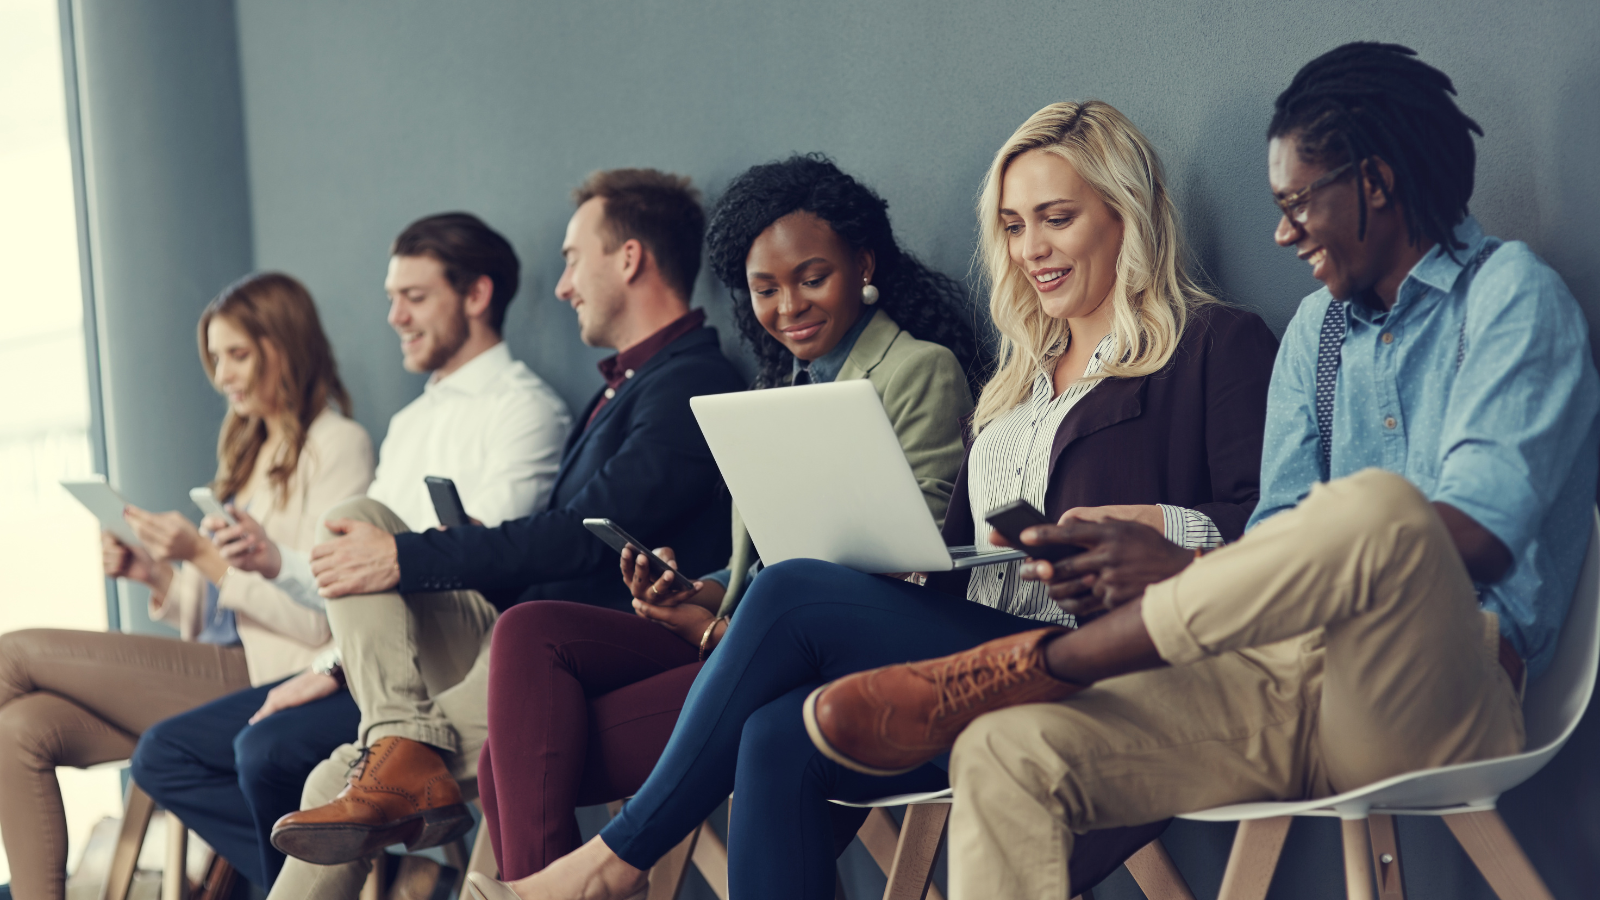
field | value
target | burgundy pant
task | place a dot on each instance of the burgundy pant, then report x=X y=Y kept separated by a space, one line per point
x=581 y=703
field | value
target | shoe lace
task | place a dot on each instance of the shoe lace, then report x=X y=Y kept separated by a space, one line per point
x=967 y=679
x=358 y=765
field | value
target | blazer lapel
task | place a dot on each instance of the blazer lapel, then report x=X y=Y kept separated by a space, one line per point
x=1113 y=400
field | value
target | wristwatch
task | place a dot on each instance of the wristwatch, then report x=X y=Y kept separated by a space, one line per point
x=329 y=663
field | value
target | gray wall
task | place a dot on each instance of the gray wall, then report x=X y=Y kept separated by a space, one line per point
x=166 y=223
x=361 y=116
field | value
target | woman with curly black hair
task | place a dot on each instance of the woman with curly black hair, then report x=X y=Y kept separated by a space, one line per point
x=822 y=293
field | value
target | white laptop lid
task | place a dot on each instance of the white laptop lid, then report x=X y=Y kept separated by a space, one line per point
x=818 y=473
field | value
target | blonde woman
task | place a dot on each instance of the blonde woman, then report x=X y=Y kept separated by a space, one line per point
x=1123 y=391
x=77 y=698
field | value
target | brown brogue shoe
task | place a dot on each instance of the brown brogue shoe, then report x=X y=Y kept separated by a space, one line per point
x=890 y=720
x=399 y=793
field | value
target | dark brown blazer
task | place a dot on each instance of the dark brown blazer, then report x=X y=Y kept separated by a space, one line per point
x=1189 y=435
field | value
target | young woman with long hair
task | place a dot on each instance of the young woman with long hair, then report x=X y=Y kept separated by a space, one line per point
x=1122 y=391
x=582 y=699
x=77 y=698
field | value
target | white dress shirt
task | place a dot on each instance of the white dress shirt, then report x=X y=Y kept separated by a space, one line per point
x=492 y=426
x=1011 y=459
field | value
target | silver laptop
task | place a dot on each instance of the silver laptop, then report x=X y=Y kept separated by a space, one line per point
x=818 y=473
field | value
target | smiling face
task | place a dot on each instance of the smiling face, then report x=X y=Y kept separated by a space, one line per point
x=1327 y=238
x=239 y=369
x=425 y=311
x=1060 y=234
x=592 y=282
x=805 y=283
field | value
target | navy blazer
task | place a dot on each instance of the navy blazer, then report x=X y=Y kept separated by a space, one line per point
x=1189 y=435
x=642 y=462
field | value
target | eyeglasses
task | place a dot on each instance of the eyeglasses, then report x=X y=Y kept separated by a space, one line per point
x=1297 y=205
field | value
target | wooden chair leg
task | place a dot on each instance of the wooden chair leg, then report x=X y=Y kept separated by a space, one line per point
x=376 y=887
x=881 y=836
x=1256 y=846
x=175 y=874
x=1386 y=857
x=666 y=876
x=711 y=858
x=1152 y=869
x=911 y=874
x=1498 y=856
x=219 y=879
x=482 y=860
x=1357 y=859
x=137 y=811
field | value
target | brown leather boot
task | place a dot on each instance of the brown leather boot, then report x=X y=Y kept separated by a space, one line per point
x=399 y=793
x=890 y=720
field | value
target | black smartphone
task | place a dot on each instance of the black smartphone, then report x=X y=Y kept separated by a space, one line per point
x=1012 y=518
x=446 y=501
x=612 y=533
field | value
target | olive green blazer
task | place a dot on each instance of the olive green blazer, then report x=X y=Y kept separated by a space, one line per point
x=925 y=393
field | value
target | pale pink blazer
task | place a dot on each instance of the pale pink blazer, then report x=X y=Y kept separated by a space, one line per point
x=280 y=636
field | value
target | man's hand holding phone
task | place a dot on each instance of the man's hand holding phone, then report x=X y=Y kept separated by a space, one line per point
x=1118 y=561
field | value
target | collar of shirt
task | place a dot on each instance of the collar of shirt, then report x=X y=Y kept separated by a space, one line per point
x=825 y=368
x=1436 y=270
x=476 y=374
x=619 y=368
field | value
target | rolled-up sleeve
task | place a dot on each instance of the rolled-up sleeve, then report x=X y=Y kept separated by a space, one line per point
x=1521 y=401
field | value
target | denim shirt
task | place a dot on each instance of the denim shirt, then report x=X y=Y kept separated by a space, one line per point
x=1510 y=438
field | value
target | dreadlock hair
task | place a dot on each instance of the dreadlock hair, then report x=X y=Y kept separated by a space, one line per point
x=1365 y=100
x=929 y=305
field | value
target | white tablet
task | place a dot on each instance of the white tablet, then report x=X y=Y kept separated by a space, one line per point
x=107 y=506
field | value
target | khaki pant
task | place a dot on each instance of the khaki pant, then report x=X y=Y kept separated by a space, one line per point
x=79 y=698
x=418 y=667
x=1336 y=644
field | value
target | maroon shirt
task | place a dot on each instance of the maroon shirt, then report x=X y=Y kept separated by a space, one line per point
x=619 y=368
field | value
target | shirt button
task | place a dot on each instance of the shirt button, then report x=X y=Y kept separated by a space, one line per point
x=628 y=374
x=1388 y=337
x=1019 y=471
x=1389 y=422
x=610 y=393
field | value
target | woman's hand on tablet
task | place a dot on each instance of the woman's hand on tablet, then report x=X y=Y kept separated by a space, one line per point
x=245 y=546
x=118 y=560
x=166 y=535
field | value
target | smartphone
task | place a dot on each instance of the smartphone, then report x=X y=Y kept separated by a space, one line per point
x=1012 y=518
x=207 y=501
x=612 y=533
x=446 y=501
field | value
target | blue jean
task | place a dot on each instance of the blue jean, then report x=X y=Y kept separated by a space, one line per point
x=802 y=623
x=229 y=780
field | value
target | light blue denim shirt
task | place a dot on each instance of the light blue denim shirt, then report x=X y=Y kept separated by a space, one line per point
x=1511 y=438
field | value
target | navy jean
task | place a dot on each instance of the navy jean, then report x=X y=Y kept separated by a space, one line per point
x=229 y=780
x=803 y=623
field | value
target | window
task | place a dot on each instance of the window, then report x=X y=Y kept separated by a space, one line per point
x=49 y=545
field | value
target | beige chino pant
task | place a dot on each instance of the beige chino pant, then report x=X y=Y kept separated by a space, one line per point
x=80 y=698
x=418 y=667
x=1336 y=644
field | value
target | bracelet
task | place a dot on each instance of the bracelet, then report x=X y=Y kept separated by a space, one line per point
x=705 y=639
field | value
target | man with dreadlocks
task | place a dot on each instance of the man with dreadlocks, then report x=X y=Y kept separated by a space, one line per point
x=1426 y=496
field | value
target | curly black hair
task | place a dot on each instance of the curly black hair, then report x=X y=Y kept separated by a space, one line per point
x=930 y=305
x=1367 y=99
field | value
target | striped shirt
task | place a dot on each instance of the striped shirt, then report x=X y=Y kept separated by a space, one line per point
x=1011 y=460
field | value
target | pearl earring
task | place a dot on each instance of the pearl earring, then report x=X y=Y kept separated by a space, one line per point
x=869 y=294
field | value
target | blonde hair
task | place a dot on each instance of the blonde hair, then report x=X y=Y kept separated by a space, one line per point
x=278 y=314
x=1153 y=294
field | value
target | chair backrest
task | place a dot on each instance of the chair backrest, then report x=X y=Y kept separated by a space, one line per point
x=1556 y=702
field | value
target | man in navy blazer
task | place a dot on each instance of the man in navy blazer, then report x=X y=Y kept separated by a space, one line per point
x=408 y=610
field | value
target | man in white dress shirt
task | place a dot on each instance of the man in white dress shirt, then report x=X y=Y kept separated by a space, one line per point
x=484 y=420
